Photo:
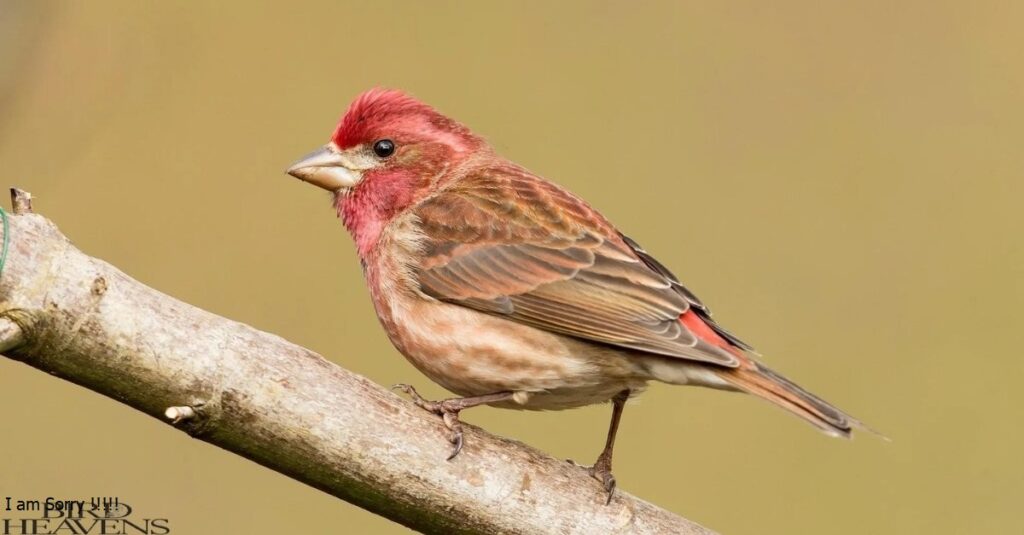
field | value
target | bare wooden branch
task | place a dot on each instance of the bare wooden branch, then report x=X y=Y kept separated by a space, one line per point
x=284 y=406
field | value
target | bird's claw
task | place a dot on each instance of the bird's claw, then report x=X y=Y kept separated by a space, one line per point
x=456 y=440
x=602 y=472
x=429 y=406
x=408 y=390
x=607 y=480
x=451 y=421
x=448 y=414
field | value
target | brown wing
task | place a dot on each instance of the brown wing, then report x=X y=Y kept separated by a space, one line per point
x=505 y=242
x=700 y=308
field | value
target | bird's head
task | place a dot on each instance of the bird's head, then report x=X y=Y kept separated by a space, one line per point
x=386 y=136
x=387 y=151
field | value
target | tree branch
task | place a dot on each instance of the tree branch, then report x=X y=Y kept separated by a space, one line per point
x=281 y=405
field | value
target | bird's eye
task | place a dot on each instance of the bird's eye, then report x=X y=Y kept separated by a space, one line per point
x=384 y=148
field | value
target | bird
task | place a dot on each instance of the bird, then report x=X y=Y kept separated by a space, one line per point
x=510 y=291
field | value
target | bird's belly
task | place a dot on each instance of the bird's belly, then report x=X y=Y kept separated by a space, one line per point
x=472 y=353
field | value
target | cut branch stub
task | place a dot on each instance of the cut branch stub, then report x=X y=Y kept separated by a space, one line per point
x=21 y=201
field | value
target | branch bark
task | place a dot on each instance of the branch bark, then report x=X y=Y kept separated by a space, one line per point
x=282 y=405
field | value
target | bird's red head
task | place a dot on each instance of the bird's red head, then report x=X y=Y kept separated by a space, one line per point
x=387 y=151
x=391 y=114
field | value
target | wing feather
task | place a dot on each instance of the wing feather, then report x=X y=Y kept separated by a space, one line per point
x=505 y=242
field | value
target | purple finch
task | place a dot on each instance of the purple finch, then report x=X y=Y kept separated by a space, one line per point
x=513 y=292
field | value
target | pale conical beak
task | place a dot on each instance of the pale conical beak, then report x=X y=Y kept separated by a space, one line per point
x=325 y=168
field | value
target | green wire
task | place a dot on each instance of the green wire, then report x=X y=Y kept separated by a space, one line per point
x=7 y=240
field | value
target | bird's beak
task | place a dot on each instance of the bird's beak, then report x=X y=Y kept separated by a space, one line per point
x=326 y=168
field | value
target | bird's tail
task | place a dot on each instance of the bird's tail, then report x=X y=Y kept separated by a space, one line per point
x=766 y=384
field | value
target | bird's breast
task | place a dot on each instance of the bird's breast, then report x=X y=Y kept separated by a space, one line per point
x=474 y=353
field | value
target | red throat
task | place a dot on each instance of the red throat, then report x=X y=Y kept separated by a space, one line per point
x=365 y=210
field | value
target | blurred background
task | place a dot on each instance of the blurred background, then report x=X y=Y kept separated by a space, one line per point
x=842 y=183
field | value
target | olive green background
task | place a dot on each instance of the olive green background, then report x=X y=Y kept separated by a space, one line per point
x=842 y=183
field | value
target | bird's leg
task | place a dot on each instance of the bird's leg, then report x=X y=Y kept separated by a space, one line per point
x=602 y=469
x=449 y=409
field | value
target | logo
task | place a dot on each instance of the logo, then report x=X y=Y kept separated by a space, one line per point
x=96 y=516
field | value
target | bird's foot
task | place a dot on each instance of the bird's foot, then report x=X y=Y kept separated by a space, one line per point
x=417 y=399
x=447 y=409
x=602 y=472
